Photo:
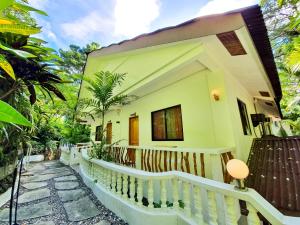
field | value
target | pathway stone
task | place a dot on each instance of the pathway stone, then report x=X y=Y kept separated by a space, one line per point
x=38 y=178
x=71 y=195
x=29 y=212
x=66 y=178
x=34 y=185
x=78 y=210
x=103 y=222
x=62 y=199
x=44 y=223
x=66 y=185
x=34 y=195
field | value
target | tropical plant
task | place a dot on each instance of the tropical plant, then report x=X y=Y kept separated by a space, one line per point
x=9 y=115
x=28 y=71
x=283 y=22
x=102 y=89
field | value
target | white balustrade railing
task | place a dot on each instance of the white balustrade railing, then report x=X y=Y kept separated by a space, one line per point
x=196 y=199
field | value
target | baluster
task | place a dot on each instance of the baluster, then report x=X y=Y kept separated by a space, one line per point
x=212 y=208
x=108 y=179
x=132 y=189
x=202 y=165
x=175 y=163
x=125 y=187
x=140 y=191
x=198 y=205
x=119 y=183
x=152 y=161
x=142 y=158
x=186 y=199
x=148 y=161
x=104 y=178
x=175 y=194
x=165 y=161
x=252 y=217
x=150 y=194
x=101 y=176
x=163 y=194
x=113 y=181
x=232 y=216
x=195 y=164
x=170 y=161
x=159 y=161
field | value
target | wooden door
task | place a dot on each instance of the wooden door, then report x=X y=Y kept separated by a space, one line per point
x=134 y=130
x=133 y=138
x=108 y=133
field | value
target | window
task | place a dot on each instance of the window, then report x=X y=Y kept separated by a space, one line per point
x=244 y=117
x=167 y=124
x=98 y=133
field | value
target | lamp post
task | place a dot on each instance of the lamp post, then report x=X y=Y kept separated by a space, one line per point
x=239 y=171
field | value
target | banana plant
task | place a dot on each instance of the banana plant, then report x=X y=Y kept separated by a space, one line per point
x=9 y=115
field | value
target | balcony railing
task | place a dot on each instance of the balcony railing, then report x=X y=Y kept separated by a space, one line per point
x=194 y=199
x=197 y=161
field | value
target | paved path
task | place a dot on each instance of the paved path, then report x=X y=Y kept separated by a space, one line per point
x=54 y=194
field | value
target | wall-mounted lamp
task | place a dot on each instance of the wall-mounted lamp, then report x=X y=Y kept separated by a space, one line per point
x=215 y=94
x=238 y=170
x=133 y=114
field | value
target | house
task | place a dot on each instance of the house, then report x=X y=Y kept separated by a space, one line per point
x=196 y=84
x=200 y=90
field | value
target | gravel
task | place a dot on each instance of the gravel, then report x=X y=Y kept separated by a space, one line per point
x=59 y=215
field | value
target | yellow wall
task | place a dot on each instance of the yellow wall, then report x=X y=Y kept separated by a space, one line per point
x=236 y=90
x=206 y=122
x=192 y=93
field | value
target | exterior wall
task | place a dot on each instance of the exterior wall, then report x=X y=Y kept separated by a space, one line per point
x=236 y=91
x=206 y=122
x=191 y=92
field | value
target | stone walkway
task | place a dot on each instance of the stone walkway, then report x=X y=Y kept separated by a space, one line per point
x=54 y=194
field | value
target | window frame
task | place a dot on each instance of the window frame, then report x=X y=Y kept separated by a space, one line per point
x=166 y=128
x=247 y=117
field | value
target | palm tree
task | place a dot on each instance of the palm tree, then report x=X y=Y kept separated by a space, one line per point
x=102 y=89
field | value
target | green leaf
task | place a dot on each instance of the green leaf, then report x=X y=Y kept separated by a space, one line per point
x=280 y=2
x=20 y=53
x=5 y=65
x=19 y=29
x=5 y=3
x=5 y=21
x=36 y=40
x=9 y=115
x=28 y=8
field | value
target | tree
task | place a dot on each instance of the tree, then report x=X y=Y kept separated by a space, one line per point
x=73 y=60
x=102 y=89
x=27 y=67
x=283 y=22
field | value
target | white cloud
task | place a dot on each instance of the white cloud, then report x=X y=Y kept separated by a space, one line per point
x=87 y=26
x=220 y=6
x=134 y=17
x=39 y=4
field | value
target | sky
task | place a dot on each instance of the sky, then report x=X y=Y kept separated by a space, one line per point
x=109 y=21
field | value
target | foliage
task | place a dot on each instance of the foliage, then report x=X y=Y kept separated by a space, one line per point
x=74 y=133
x=283 y=22
x=101 y=151
x=73 y=60
x=28 y=73
x=102 y=89
x=9 y=115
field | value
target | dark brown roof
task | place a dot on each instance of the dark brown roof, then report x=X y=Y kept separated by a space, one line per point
x=254 y=21
x=274 y=165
